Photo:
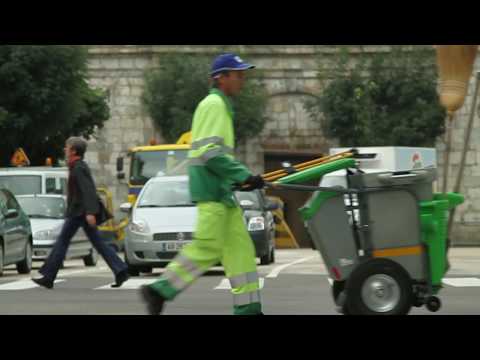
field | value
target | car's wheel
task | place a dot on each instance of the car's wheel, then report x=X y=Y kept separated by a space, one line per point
x=339 y=296
x=133 y=271
x=337 y=288
x=25 y=266
x=266 y=260
x=379 y=287
x=1 y=259
x=91 y=259
x=272 y=256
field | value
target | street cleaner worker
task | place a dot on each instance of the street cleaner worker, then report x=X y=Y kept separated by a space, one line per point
x=221 y=235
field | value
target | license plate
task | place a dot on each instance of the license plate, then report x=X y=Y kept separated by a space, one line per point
x=174 y=246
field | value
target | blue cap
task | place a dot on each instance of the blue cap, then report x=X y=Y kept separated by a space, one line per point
x=229 y=62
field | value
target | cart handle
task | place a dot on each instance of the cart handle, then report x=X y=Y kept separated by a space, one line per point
x=340 y=190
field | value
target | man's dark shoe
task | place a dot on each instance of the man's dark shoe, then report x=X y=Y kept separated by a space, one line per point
x=120 y=279
x=155 y=301
x=44 y=282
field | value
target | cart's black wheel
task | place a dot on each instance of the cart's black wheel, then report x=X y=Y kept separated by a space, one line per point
x=417 y=302
x=419 y=295
x=337 y=288
x=379 y=287
x=340 y=297
x=433 y=304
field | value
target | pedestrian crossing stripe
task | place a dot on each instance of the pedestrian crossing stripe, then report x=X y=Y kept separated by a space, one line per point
x=136 y=284
x=454 y=282
x=22 y=285
x=132 y=284
x=462 y=282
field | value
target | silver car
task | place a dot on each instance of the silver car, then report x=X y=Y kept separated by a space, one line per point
x=162 y=223
x=47 y=216
x=15 y=235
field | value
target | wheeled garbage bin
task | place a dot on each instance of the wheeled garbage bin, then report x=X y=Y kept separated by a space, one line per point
x=382 y=239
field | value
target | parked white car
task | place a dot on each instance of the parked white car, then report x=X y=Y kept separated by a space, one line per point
x=47 y=216
x=162 y=223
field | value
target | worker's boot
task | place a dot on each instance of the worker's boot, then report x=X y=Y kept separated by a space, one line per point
x=155 y=301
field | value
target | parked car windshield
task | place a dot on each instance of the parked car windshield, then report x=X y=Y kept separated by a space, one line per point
x=249 y=196
x=166 y=194
x=22 y=184
x=43 y=207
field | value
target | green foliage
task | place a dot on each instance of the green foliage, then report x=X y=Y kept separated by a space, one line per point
x=381 y=99
x=174 y=90
x=45 y=98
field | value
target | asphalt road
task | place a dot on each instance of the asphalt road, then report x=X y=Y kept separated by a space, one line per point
x=296 y=285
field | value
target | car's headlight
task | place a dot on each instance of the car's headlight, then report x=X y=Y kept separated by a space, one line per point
x=140 y=227
x=46 y=235
x=256 y=224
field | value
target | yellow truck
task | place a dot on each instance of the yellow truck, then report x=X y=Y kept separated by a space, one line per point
x=147 y=162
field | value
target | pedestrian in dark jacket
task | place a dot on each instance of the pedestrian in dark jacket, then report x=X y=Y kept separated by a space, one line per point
x=83 y=204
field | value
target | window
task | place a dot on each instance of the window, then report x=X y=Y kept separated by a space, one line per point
x=22 y=184
x=43 y=207
x=146 y=165
x=63 y=186
x=11 y=202
x=50 y=185
x=3 y=203
x=253 y=197
x=166 y=194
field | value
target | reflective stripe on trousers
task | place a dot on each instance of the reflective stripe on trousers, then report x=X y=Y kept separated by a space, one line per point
x=242 y=297
x=175 y=280
x=247 y=299
x=245 y=279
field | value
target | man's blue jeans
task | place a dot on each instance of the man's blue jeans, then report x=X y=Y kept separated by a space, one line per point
x=54 y=261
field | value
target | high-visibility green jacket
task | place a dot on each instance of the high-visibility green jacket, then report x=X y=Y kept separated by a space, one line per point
x=213 y=170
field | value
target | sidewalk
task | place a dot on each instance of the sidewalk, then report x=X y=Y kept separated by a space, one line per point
x=464 y=252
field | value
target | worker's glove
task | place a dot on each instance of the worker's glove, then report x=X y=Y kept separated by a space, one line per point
x=253 y=183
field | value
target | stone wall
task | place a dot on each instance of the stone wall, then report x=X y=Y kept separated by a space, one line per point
x=466 y=229
x=290 y=77
x=288 y=73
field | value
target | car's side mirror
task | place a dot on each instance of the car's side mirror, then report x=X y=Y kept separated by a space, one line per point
x=120 y=164
x=11 y=214
x=126 y=208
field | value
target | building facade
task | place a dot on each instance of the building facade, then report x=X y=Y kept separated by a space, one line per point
x=289 y=73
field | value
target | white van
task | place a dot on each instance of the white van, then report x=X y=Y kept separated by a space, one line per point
x=34 y=180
